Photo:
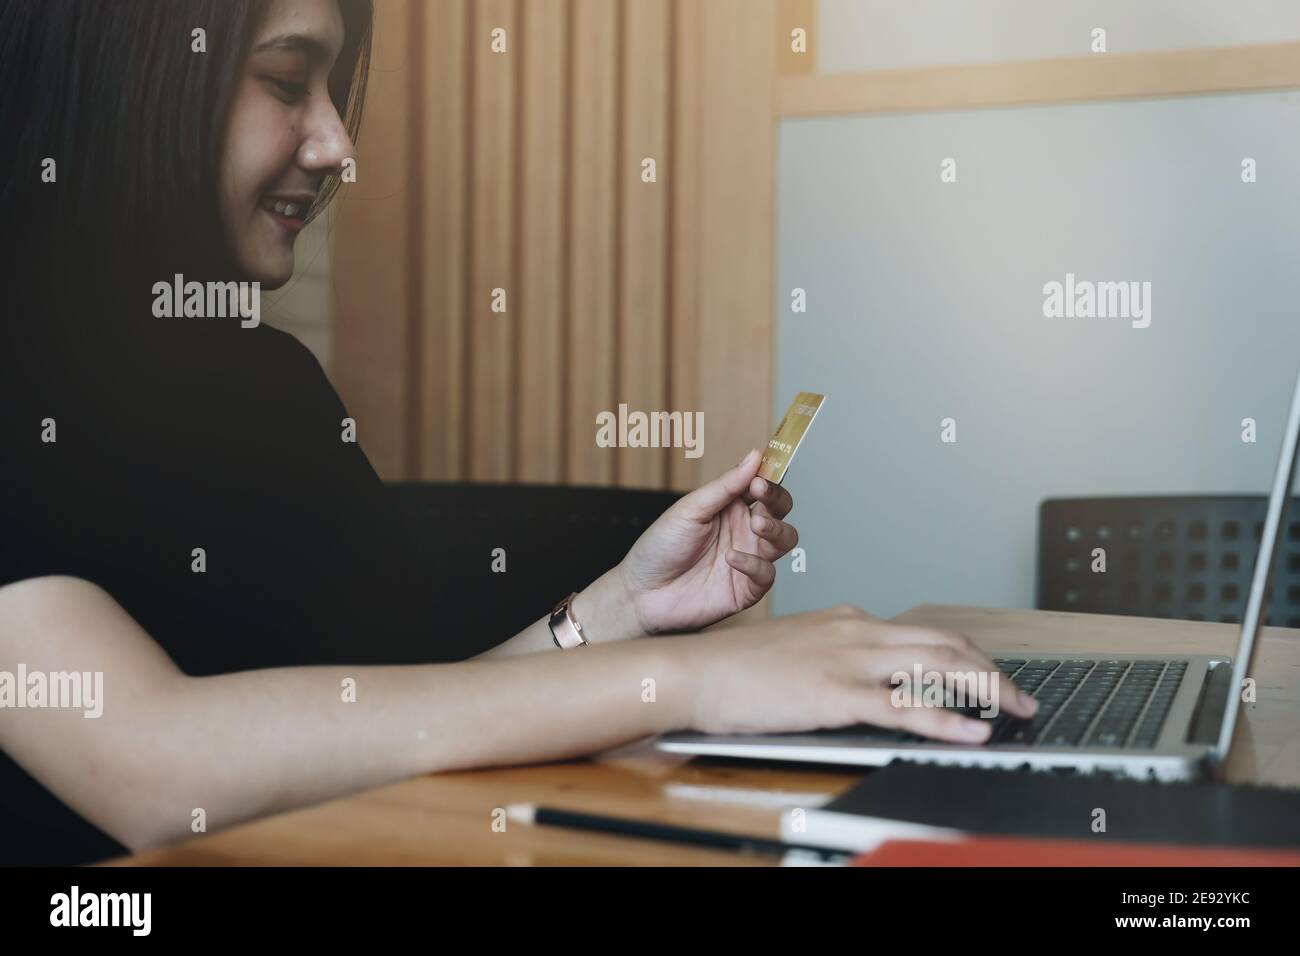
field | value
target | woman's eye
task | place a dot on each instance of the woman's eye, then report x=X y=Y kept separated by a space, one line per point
x=289 y=90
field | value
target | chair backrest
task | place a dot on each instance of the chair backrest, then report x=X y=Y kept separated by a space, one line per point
x=554 y=539
x=1189 y=558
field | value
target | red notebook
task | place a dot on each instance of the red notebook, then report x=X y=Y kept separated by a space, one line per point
x=1016 y=851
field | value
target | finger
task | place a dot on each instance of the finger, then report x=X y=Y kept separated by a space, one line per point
x=880 y=664
x=761 y=572
x=981 y=685
x=878 y=708
x=772 y=496
x=1015 y=699
x=775 y=537
x=710 y=498
x=912 y=634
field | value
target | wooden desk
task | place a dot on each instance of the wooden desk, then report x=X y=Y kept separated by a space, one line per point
x=447 y=819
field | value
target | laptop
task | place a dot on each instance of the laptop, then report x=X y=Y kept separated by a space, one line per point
x=1155 y=715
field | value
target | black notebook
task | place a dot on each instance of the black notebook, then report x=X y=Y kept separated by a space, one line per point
x=1053 y=805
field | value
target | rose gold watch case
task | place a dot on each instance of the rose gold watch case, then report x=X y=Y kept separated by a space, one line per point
x=565 y=629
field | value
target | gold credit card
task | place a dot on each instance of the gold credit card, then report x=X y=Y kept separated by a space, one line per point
x=780 y=450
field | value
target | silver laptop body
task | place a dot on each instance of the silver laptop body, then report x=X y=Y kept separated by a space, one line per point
x=1176 y=735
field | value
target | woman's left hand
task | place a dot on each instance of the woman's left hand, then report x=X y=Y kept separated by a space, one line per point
x=710 y=555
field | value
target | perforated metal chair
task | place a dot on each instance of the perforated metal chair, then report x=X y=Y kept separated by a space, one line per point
x=1189 y=558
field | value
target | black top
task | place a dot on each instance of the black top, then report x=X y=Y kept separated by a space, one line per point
x=180 y=434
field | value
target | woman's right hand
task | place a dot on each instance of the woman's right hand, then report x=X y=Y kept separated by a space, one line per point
x=831 y=668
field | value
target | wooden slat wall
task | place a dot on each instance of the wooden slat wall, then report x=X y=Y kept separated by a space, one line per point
x=371 y=287
x=592 y=236
x=684 y=267
x=522 y=171
x=436 y=424
x=491 y=193
x=733 y=338
x=642 y=286
x=543 y=226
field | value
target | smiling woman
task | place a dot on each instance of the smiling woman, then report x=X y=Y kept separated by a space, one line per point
x=284 y=136
x=174 y=164
x=188 y=514
x=140 y=168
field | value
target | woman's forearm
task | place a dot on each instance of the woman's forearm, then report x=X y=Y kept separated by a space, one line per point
x=238 y=746
x=605 y=609
x=290 y=739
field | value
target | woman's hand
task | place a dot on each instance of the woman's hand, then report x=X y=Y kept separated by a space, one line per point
x=710 y=554
x=832 y=668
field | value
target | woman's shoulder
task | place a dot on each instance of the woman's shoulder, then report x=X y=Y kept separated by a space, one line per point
x=30 y=595
x=287 y=371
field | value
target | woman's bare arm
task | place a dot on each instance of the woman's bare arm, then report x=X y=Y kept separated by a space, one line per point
x=244 y=745
x=603 y=607
x=248 y=744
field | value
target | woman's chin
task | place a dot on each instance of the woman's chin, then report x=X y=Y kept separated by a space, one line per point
x=270 y=272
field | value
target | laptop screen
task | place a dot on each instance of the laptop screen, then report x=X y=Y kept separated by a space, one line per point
x=1277 y=502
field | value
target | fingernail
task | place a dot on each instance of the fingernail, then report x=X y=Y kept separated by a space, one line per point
x=1030 y=703
x=749 y=455
x=975 y=729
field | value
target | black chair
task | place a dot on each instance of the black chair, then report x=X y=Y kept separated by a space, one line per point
x=556 y=539
x=1189 y=558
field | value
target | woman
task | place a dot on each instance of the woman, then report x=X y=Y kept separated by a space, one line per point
x=183 y=518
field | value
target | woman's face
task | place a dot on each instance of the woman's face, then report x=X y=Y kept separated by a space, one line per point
x=283 y=136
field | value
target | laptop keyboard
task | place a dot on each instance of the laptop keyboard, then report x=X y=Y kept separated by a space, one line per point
x=1081 y=703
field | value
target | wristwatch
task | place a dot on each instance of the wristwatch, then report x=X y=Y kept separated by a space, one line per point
x=565 y=629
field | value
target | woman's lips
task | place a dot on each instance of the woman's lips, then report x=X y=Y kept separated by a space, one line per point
x=289 y=212
x=290 y=225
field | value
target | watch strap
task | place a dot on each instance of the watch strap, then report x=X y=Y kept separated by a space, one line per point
x=565 y=629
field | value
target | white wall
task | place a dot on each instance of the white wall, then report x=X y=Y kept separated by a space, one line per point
x=925 y=301
x=853 y=35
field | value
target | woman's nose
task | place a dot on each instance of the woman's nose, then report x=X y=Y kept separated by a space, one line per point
x=327 y=143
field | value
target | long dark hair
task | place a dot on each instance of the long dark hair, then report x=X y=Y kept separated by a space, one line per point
x=111 y=91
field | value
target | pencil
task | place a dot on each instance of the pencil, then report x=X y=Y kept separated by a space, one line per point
x=665 y=832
